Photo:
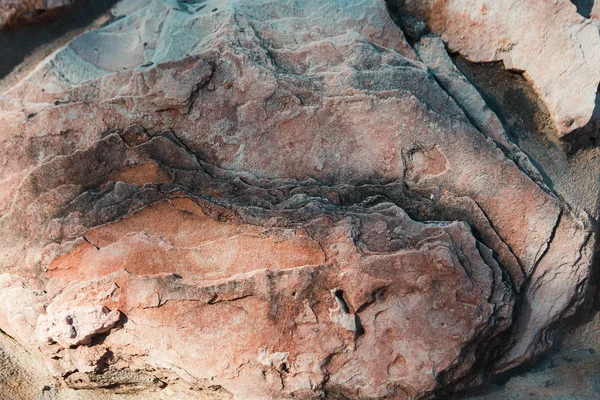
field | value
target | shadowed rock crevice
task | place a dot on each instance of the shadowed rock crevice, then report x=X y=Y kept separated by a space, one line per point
x=479 y=109
x=510 y=96
x=567 y=88
x=567 y=165
x=584 y=7
x=586 y=137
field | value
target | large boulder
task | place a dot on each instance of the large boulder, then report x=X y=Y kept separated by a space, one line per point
x=273 y=199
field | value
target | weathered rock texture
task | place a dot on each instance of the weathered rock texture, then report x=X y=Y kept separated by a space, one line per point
x=556 y=48
x=272 y=199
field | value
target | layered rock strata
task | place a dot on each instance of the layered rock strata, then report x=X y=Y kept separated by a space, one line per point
x=273 y=199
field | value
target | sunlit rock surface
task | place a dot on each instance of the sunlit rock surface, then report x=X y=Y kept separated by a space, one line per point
x=271 y=199
x=557 y=49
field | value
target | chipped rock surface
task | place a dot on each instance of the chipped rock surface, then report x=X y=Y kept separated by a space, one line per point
x=272 y=199
x=76 y=327
x=557 y=49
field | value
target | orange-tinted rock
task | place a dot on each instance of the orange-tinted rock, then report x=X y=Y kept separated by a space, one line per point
x=177 y=237
x=141 y=175
x=266 y=200
x=334 y=302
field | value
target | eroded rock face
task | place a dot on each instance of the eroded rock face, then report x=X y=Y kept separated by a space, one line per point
x=273 y=200
x=77 y=326
x=557 y=49
x=268 y=312
x=292 y=299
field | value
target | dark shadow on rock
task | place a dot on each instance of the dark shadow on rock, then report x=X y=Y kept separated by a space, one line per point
x=584 y=7
x=553 y=375
x=587 y=136
x=495 y=387
x=412 y=27
x=510 y=96
x=568 y=165
x=505 y=92
x=516 y=105
x=590 y=306
x=528 y=124
x=17 y=44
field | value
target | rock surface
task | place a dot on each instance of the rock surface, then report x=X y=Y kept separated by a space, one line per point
x=273 y=199
x=567 y=375
x=15 y=12
x=557 y=49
